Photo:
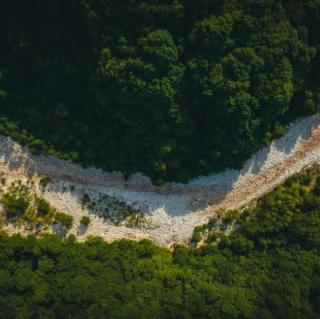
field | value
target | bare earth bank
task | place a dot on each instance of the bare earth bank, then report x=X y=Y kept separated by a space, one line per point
x=170 y=212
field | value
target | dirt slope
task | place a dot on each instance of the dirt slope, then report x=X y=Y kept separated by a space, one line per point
x=169 y=212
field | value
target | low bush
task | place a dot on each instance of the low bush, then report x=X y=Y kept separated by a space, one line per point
x=85 y=221
x=64 y=219
x=43 y=207
x=197 y=234
x=14 y=206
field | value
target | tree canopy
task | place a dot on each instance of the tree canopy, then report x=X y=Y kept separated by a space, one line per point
x=170 y=88
x=269 y=267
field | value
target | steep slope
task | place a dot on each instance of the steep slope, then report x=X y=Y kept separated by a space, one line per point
x=166 y=214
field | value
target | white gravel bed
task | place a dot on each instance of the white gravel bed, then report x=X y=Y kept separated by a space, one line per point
x=174 y=209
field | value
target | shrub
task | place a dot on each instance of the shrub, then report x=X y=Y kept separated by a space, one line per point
x=212 y=222
x=135 y=220
x=197 y=234
x=3 y=181
x=64 y=219
x=196 y=237
x=212 y=237
x=43 y=207
x=85 y=221
x=230 y=216
x=14 y=206
x=37 y=146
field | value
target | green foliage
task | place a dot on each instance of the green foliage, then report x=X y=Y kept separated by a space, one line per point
x=230 y=216
x=14 y=206
x=173 y=89
x=43 y=207
x=197 y=234
x=23 y=207
x=85 y=221
x=63 y=219
x=3 y=181
x=134 y=219
x=268 y=268
x=16 y=200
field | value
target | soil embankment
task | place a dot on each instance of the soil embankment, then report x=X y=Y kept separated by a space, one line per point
x=172 y=210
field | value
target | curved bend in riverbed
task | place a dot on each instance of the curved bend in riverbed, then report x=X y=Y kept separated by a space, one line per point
x=170 y=212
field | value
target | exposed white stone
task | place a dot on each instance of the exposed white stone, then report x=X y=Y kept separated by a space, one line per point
x=174 y=209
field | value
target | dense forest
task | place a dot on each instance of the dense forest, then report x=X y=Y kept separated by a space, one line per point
x=172 y=88
x=269 y=268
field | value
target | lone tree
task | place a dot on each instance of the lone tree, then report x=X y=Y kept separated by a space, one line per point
x=63 y=219
x=85 y=221
x=43 y=207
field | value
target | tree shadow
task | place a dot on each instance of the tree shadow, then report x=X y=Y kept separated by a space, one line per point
x=82 y=229
x=59 y=229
